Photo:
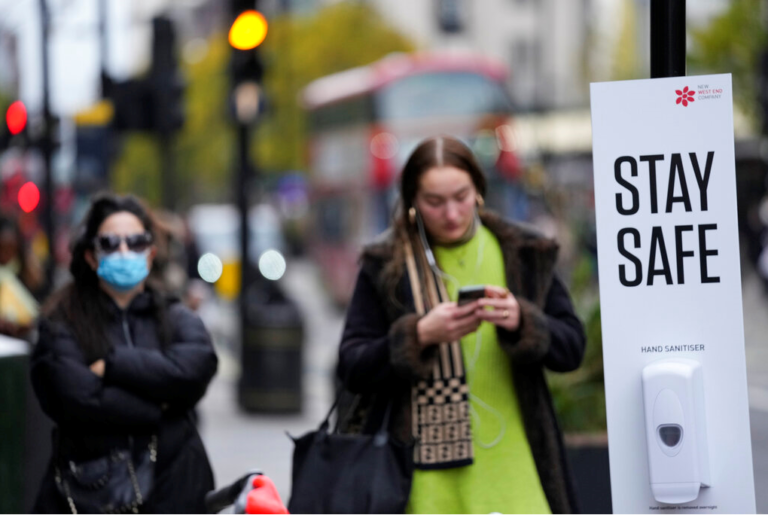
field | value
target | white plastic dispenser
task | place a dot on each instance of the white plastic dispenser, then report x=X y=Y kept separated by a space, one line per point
x=676 y=430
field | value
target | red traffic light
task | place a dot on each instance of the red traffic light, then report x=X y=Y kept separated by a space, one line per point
x=16 y=117
x=29 y=197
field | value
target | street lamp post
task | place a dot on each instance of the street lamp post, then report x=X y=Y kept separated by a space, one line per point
x=247 y=32
x=271 y=326
x=47 y=150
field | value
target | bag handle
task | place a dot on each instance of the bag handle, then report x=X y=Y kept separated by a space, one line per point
x=326 y=421
x=382 y=433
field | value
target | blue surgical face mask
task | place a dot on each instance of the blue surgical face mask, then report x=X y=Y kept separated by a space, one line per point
x=123 y=271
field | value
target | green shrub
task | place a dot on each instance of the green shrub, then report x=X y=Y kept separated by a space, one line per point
x=579 y=396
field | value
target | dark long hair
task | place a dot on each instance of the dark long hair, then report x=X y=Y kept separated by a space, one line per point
x=434 y=152
x=82 y=305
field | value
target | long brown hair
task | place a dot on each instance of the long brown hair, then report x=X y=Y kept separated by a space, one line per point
x=82 y=305
x=438 y=151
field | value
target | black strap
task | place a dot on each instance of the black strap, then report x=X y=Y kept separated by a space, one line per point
x=326 y=421
x=382 y=435
x=383 y=430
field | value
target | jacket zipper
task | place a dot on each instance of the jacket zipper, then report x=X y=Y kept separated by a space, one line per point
x=126 y=330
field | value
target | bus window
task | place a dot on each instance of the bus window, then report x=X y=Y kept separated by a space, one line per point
x=352 y=111
x=431 y=95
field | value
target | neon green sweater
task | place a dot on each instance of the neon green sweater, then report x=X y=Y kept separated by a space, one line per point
x=503 y=477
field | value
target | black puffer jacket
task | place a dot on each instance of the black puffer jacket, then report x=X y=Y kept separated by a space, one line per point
x=146 y=390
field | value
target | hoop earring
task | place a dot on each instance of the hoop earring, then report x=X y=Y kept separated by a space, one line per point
x=412 y=215
x=480 y=201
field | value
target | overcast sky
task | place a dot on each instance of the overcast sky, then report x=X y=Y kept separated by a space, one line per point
x=74 y=49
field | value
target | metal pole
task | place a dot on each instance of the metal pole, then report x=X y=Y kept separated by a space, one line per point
x=242 y=183
x=167 y=174
x=104 y=42
x=46 y=147
x=667 y=38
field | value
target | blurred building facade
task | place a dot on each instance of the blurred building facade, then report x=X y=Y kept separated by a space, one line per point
x=542 y=41
x=77 y=49
x=553 y=47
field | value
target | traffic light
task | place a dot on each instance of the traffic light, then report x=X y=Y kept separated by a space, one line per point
x=29 y=197
x=133 y=106
x=154 y=103
x=165 y=77
x=15 y=125
x=16 y=117
x=248 y=31
x=450 y=16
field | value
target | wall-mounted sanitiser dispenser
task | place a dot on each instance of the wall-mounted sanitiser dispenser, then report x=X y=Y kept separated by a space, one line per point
x=676 y=429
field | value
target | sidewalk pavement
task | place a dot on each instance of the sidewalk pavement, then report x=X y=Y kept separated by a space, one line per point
x=237 y=441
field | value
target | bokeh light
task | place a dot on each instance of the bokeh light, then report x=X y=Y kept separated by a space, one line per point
x=486 y=146
x=248 y=31
x=272 y=265
x=16 y=117
x=210 y=267
x=29 y=197
x=384 y=145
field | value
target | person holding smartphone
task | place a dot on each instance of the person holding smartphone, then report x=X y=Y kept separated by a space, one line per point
x=455 y=315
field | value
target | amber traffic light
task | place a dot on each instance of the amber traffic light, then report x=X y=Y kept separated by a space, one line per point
x=248 y=30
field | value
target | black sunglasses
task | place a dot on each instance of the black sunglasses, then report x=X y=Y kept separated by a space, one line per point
x=109 y=243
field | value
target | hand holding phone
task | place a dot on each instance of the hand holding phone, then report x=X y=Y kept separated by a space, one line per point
x=500 y=307
x=468 y=294
x=447 y=322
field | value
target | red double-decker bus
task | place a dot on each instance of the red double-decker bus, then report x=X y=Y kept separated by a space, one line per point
x=363 y=124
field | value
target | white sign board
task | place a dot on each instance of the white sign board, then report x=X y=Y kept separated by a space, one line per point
x=670 y=293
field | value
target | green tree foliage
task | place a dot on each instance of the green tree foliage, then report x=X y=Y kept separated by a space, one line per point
x=300 y=50
x=203 y=150
x=5 y=101
x=732 y=43
x=626 y=56
x=137 y=170
x=206 y=147
x=579 y=396
x=296 y=51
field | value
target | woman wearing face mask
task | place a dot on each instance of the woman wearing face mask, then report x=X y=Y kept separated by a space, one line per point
x=118 y=366
x=465 y=383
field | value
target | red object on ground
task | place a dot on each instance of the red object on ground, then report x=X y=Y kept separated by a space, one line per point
x=264 y=497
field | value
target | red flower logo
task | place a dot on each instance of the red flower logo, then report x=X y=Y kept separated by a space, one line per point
x=684 y=96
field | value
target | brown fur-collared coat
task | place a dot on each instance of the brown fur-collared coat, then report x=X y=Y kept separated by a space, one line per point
x=380 y=356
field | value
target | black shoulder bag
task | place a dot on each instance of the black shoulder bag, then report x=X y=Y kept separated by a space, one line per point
x=350 y=473
x=119 y=482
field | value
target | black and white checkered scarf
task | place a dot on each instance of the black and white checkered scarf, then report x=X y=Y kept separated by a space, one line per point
x=440 y=403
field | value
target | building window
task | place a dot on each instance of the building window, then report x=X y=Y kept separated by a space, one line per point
x=450 y=15
x=526 y=73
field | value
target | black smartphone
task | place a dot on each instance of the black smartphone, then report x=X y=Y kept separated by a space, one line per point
x=468 y=294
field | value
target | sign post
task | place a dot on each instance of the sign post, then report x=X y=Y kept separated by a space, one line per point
x=667 y=38
x=670 y=291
